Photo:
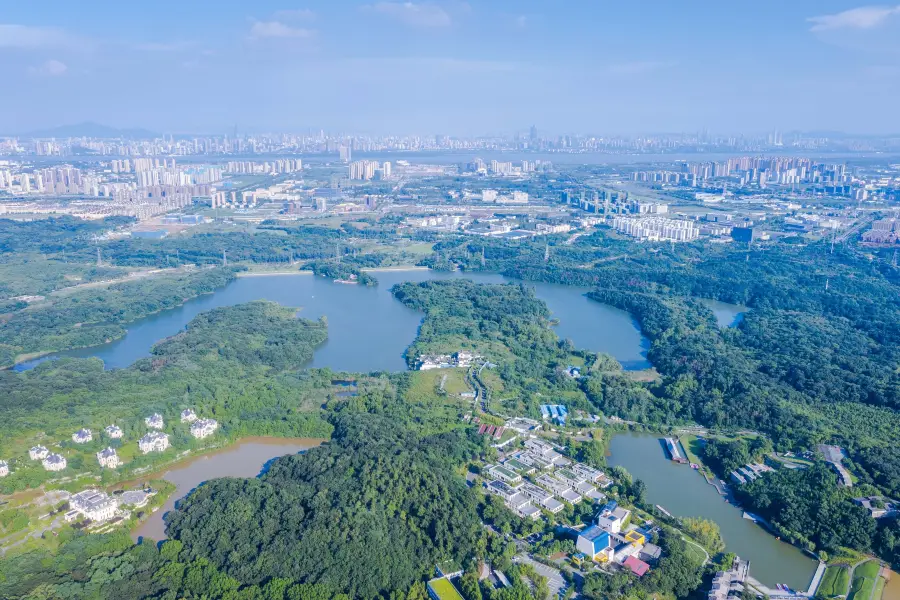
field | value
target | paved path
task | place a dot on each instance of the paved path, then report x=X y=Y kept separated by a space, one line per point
x=814 y=584
x=850 y=579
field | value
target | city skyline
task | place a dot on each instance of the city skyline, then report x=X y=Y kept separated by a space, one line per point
x=452 y=67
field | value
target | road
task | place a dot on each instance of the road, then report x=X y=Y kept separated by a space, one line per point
x=555 y=579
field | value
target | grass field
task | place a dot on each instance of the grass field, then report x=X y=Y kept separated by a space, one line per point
x=864 y=581
x=834 y=582
x=695 y=553
x=693 y=448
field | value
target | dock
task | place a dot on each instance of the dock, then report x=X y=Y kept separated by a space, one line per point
x=672 y=445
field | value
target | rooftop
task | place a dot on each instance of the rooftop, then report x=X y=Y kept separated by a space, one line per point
x=443 y=589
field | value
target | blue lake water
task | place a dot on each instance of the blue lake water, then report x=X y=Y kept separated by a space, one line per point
x=368 y=330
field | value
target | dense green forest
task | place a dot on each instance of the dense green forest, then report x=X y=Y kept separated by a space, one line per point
x=236 y=364
x=333 y=269
x=368 y=513
x=97 y=315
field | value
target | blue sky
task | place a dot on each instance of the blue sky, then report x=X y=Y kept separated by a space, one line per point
x=454 y=67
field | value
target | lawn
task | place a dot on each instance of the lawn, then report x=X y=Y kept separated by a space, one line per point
x=693 y=448
x=695 y=553
x=834 y=582
x=864 y=580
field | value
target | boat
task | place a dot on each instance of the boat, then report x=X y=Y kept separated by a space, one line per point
x=346 y=281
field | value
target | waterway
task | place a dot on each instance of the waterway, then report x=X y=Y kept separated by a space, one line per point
x=685 y=493
x=727 y=315
x=368 y=330
x=247 y=458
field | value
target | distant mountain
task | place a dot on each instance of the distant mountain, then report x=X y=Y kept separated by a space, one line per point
x=89 y=129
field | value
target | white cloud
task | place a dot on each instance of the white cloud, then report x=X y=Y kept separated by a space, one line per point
x=50 y=68
x=296 y=14
x=864 y=17
x=423 y=14
x=277 y=29
x=24 y=36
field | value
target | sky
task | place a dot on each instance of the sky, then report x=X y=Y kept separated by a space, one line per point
x=481 y=67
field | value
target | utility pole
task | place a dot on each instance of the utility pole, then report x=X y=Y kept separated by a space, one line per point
x=827 y=282
x=224 y=258
x=482 y=256
x=894 y=262
x=99 y=260
x=337 y=251
x=547 y=252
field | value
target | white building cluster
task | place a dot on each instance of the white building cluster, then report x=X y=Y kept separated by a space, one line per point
x=560 y=479
x=4 y=468
x=365 y=170
x=657 y=229
x=155 y=421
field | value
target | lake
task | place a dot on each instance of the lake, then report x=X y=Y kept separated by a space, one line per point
x=685 y=493
x=247 y=458
x=368 y=330
x=727 y=315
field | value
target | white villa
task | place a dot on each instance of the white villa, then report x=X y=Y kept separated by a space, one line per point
x=38 y=453
x=154 y=421
x=203 y=428
x=188 y=416
x=155 y=441
x=108 y=458
x=114 y=432
x=4 y=468
x=82 y=436
x=94 y=505
x=54 y=462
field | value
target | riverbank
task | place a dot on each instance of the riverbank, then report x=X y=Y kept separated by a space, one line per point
x=246 y=457
x=685 y=494
x=397 y=268
x=272 y=273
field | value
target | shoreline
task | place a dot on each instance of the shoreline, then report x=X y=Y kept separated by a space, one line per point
x=271 y=273
x=160 y=471
x=397 y=268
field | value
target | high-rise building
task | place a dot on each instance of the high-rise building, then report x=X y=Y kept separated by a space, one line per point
x=345 y=153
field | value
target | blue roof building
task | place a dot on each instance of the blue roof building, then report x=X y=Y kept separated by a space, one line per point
x=596 y=544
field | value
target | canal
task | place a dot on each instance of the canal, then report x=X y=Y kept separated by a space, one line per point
x=247 y=458
x=685 y=493
x=368 y=330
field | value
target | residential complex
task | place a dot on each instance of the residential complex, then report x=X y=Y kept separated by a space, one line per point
x=188 y=416
x=553 y=480
x=4 y=468
x=154 y=421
